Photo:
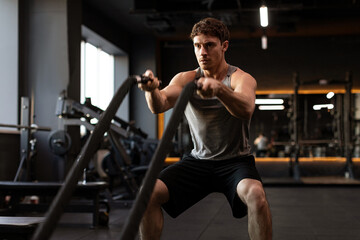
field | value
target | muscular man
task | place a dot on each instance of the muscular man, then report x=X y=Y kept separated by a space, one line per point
x=219 y=116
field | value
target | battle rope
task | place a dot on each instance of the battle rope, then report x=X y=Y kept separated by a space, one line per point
x=156 y=165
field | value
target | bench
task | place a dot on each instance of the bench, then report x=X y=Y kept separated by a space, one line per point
x=17 y=190
x=18 y=227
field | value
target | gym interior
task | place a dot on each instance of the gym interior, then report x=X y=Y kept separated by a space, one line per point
x=77 y=139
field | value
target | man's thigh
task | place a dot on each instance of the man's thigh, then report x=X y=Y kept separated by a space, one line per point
x=188 y=182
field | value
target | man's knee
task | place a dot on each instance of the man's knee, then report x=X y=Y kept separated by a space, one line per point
x=160 y=194
x=252 y=194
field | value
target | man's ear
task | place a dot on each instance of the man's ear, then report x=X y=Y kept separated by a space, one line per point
x=225 y=45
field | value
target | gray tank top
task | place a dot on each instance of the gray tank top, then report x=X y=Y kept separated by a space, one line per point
x=216 y=134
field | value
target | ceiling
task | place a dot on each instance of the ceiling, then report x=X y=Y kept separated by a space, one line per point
x=174 y=18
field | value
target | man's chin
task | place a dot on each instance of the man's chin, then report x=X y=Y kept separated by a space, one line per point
x=204 y=66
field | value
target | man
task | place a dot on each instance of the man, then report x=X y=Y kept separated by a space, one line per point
x=261 y=143
x=219 y=116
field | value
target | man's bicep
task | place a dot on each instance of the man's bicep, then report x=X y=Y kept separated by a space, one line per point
x=176 y=85
x=171 y=93
x=246 y=85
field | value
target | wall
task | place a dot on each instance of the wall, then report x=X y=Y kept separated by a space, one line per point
x=312 y=57
x=48 y=69
x=142 y=58
x=121 y=74
x=9 y=62
x=105 y=27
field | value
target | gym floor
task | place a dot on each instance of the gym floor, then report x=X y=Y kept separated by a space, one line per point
x=299 y=212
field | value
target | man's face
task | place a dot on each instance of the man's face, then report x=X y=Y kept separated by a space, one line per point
x=209 y=51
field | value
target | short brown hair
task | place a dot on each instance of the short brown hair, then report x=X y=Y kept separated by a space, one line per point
x=211 y=26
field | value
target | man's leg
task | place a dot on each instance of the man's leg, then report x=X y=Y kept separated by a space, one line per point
x=252 y=193
x=153 y=220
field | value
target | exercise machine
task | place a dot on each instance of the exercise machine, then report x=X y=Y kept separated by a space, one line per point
x=13 y=193
x=129 y=149
x=342 y=126
x=25 y=171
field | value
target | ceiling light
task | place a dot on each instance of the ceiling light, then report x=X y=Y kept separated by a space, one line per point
x=330 y=95
x=271 y=107
x=323 y=81
x=269 y=101
x=264 y=42
x=264 y=16
x=320 y=106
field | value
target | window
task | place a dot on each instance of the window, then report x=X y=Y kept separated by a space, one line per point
x=97 y=75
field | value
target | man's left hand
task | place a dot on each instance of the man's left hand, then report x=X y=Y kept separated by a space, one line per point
x=207 y=87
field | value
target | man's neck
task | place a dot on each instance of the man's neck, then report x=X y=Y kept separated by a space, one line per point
x=218 y=73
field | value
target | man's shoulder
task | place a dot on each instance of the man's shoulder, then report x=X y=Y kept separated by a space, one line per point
x=184 y=77
x=188 y=74
x=240 y=74
x=240 y=78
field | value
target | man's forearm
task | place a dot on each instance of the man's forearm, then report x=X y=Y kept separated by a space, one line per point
x=238 y=105
x=155 y=101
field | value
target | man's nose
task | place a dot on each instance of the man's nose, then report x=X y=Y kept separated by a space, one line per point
x=203 y=50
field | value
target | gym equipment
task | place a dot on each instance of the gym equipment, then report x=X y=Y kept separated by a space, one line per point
x=119 y=162
x=88 y=190
x=129 y=153
x=64 y=194
x=73 y=113
x=59 y=142
x=32 y=127
x=104 y=215
x=27 y=142
x=18 y=227
x=24 y=186
x=342 y=126
x=347 y=118
x=294 y=135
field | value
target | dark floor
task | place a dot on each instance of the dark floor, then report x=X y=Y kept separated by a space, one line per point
x=302 y=212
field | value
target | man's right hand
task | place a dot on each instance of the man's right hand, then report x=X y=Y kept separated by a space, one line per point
x=151 y=85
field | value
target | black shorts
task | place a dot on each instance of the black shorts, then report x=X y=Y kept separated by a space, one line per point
x=190 y=180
